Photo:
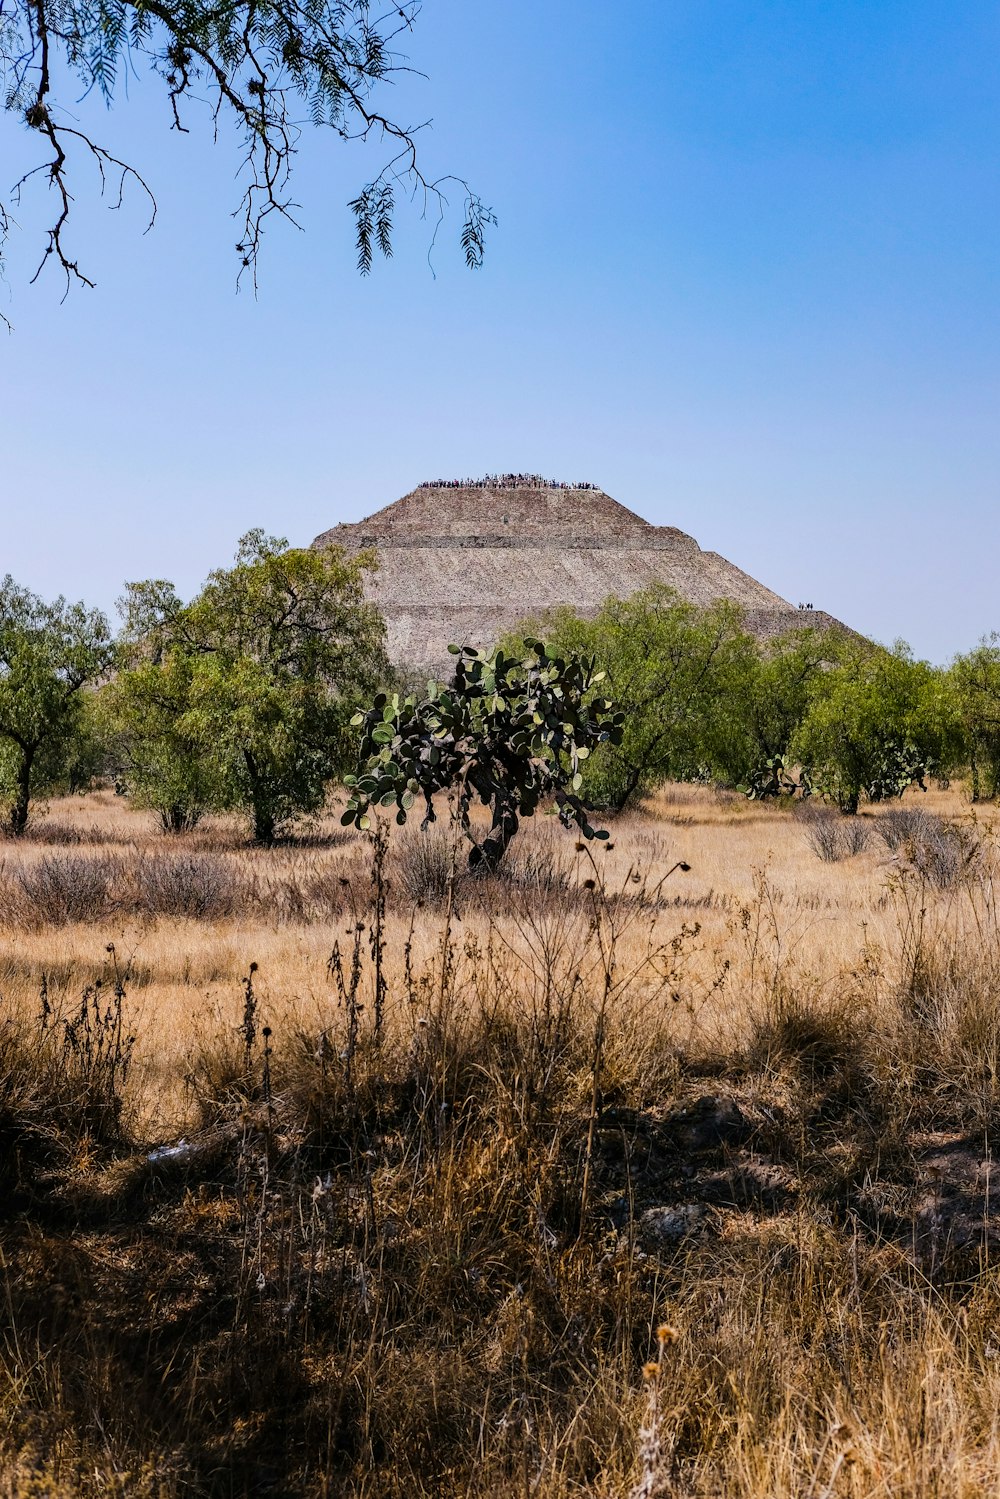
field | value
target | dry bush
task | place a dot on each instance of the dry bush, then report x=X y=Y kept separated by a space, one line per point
x=62 y=888
x=946 y=854
x=898 y=826
x=59 y=889
x=59 y=833
x=855 y=835
x=831 y=836
x=63 y=1083
x=425 y=865
x=194 y=886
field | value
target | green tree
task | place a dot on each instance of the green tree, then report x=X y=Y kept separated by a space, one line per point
x=48 y=654
x=975 y=680
x=671 y=668
x=509 y=729
x=155 y=747
x=769 y=689
x=263 y=65
x=242 y=698
x=876 y=724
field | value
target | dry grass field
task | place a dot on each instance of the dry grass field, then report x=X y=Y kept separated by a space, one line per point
x=400 y=1209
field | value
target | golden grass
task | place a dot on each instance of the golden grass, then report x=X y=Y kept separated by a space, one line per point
x=754 y=1099
x=815 y=918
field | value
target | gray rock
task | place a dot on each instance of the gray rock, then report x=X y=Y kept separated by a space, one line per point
x=671 y=1225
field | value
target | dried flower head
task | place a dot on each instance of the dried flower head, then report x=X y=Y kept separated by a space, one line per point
x=666 y=1334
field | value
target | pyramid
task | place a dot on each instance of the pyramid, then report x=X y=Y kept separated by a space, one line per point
x=465 y=560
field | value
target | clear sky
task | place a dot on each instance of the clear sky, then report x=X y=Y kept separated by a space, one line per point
x=746 y=279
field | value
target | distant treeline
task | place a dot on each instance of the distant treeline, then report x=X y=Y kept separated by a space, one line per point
x=817 y=711
x=241 y=700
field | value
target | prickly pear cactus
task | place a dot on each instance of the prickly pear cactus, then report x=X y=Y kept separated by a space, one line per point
x=509 y=731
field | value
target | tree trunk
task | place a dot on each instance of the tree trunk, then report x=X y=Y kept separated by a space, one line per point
x=619 y=802
x=485 y=857
x=974 y=770
x=178 y=818
x=263 y=823
x=22 y=794
x=263 y=813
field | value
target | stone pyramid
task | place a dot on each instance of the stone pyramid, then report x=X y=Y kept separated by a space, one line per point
x=463 y=561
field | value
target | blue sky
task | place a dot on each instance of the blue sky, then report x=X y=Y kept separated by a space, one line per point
x=745 y=278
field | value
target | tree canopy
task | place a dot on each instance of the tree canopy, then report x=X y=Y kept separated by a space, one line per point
x=266 y=68
x=812 y=711
x=241 y=699
x=48 y=654
x=768 y=694
x=876 y=724
x=669 y=666
x=975 y=679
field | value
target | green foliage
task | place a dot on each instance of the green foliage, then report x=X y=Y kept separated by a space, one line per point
x=877 y=723
x=156 y=748
x=975 y=681
x=48 y=654
x=810 y=711
x=241 y=699
x=88 y=760
x=511 y=730
x=776 y=776
x=749 y=734
x=671 y=668
x=263 y=65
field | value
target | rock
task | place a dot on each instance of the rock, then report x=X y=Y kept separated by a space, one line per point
x=671 y=1225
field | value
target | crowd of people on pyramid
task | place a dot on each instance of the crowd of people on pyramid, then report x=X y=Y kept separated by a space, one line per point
x=503 y=481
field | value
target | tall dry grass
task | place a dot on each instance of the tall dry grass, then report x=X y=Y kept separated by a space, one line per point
x=454 y=1150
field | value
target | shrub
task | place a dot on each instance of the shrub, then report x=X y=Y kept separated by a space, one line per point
x=855 y=836
x=192 y=885
x=945 y=854
x=903 y=825
x=834 y=838
x=62 y=888
x=424 y=864
x=53 y=833
x=63 y=1080
x=537 y=871
x=940 y=852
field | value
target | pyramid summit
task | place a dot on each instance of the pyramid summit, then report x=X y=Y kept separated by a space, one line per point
x=465 y=560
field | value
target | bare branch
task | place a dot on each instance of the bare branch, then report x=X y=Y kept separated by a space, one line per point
x=263 y=60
